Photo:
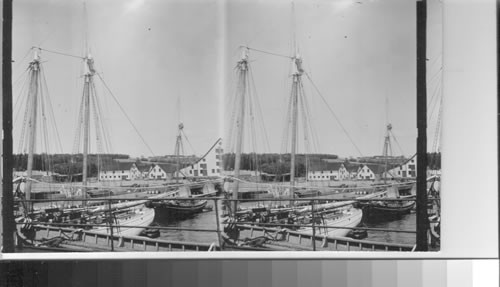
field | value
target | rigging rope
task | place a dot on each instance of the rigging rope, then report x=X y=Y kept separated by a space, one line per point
x=126 y=115
x=59 y=53
x=269 y=53
x=189 y=143
x=104 y=128
x=259 y=110
x=335 y=116
x=78 y=132
x=51 y=111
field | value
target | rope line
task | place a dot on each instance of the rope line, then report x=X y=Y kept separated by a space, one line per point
x=126 y=115
x=59 y=53
x=269 y=53
x=335 y=116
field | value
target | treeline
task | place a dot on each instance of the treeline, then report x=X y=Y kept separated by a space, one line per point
x=66 y=164
x=280 y=163
x=273 y=163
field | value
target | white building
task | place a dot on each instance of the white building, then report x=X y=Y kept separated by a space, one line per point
x=365 y=173
x=406 y=170
x=327 y=171
x=116 y=171
x=209 y=165
x=122 y=170
x=161 y=171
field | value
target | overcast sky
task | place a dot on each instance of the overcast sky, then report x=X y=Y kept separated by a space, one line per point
x=171 y=60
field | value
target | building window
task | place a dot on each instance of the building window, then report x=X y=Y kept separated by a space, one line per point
x=213 y=170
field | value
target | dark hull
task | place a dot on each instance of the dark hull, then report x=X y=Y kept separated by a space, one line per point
x=308 y=193
x=387 y=210
x=169 y=210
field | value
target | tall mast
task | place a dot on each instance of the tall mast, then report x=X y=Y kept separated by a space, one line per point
x=242 y=89
x=387 y=149
x=178 y=148
x=296 y=86
x=34 y=69
x=88 y=83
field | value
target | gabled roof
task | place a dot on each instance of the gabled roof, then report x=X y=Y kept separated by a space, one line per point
x=143 y=166
x=115 y=165
x=378 y=168
x=167 y=167
x=404 y=163
x=323 y=165
x=413 y=157
x=352 y=167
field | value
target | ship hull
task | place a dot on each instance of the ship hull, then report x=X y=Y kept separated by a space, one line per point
x=351 y=219
x=139 y=218
x=175 y=210
x=388 y=209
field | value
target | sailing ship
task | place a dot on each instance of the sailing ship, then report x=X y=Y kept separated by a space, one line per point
x=381 y=208
x=332 y=220
x=129 y=219
x=402 y=194
x=191 y=204
x=176 y=208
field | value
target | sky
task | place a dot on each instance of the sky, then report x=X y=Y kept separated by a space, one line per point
x=171 y=61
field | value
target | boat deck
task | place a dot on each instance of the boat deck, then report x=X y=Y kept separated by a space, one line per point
x=89 y=241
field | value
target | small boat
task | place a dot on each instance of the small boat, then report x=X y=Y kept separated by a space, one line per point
x=386 y=209
x=178 y=209
x=357 y=234
x=171 y=208
x=304 y=193
x=150 y=233
x=129 y=222
x=326 y=221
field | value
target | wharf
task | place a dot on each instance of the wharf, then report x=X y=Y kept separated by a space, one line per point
x=300 y=241
x=57 y=239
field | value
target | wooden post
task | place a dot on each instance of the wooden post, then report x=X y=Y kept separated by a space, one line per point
x=422 y=217
x=218 y=223
x=111 y=225
x=313 y=226
x=8 y=224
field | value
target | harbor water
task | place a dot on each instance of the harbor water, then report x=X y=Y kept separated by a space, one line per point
x=207 y=220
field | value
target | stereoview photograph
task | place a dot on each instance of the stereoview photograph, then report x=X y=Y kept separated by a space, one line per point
x=217 y=126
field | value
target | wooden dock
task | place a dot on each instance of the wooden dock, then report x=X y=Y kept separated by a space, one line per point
x=55 y=239
x=69 y=239
x=321 y=243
